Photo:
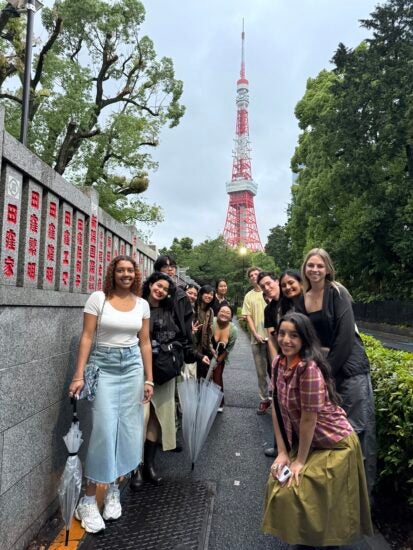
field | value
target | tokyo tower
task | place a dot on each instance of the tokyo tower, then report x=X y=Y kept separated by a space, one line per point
x=241 y=225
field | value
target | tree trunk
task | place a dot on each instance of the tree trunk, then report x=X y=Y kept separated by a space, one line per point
x=409 y=155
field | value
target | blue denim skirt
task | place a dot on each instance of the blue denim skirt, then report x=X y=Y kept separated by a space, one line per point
x=115 y=445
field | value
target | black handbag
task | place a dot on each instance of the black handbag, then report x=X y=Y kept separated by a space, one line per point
x=167 y=362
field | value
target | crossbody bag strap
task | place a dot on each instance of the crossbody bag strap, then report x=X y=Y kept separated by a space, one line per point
x=98 y=322
x=277 y=407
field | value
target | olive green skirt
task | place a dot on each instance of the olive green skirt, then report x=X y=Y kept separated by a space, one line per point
x=330 y=507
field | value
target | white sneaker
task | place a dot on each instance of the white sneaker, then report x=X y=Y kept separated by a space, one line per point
x=220 y=409
x=113 y=508
x=90 y=517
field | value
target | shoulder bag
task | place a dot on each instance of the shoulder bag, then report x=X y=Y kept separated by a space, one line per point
x=167 y=362
x=167 y=353
x=91 y=374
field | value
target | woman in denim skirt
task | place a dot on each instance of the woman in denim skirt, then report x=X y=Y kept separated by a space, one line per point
x=120 y=319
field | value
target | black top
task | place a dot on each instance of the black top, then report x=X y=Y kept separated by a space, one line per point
x=322 y=327
x=163 y=328
x=183 y=315
x=271 y=315
x=216 y=304
x=336 y=328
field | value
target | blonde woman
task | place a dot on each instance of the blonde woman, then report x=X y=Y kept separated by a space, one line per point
x=328 y=304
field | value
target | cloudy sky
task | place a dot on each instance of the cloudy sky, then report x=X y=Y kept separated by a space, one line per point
x=286 y=43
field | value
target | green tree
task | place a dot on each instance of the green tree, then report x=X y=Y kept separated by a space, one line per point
x=213 y=259
x=279 y=246
x=354 y=192
x=179 y=250
x=99 y=98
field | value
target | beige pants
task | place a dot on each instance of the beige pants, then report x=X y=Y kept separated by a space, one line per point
x=259 y=353
x=189 y=371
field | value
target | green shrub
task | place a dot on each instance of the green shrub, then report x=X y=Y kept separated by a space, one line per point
x=392 y=378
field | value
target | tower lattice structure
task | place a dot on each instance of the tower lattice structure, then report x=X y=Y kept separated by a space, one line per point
x=241 y=224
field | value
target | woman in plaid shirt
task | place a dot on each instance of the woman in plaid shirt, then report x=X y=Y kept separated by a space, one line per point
x=325 y=500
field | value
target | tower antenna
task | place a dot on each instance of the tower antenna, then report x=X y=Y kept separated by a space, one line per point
x=241 y=225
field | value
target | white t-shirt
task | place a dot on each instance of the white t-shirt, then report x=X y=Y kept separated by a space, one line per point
x=117 y=329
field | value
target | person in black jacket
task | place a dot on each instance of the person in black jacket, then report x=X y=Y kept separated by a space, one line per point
x=329 y=306
x=182 y=306
x=183 y=315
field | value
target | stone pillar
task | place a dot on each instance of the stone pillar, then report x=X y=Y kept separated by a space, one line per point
x=101 y=258
x=108 y=249
x=50 y=227
x=10 y=217
x=134 y=251
x=90 y=260
x=30 y=230
x=115 y=246
x=65 y=248
x=78 y=247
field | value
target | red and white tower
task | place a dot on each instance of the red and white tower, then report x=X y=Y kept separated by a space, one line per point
x=241 y=225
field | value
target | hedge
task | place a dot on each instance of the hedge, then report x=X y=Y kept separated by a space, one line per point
x=392 y=379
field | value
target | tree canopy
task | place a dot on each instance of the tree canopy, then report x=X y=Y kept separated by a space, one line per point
x=98 y=100
x=354 y=159
x=214 y=259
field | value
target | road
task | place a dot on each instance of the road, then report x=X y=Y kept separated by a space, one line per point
x=403 y=342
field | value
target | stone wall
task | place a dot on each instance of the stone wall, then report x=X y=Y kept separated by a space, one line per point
x=55 y=245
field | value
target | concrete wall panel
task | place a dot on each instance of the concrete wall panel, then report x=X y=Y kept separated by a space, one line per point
x=44 y=283
x=24 y=502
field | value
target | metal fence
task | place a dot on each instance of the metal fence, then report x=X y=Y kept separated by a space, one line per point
x=393 y=312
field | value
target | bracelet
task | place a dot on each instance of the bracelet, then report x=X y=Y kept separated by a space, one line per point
x=78 y=379
x=150 y=383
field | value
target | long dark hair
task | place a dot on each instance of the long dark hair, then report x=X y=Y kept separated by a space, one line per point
x=205 y=289
x=311 y=349
x=217 y=284
x=166 y=303
x=287 y=304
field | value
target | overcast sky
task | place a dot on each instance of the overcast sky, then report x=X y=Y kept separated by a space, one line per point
x=286 y=43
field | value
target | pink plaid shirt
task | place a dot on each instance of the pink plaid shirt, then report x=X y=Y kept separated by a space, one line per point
x=302 y=388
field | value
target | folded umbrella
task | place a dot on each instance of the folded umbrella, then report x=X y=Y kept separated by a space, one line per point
x=71 y=480
x=199 y=400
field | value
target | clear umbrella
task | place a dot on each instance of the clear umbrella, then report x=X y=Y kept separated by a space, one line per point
x=199 y=400
x=71 y=480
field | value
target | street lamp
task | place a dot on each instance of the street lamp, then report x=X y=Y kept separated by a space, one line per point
x=30 y=7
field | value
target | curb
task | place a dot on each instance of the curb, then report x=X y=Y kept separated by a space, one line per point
x=377 y=542
x=384 y=327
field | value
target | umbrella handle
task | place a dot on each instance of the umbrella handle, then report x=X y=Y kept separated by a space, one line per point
x=74 y=405
x=213 y=362
x=211 y=368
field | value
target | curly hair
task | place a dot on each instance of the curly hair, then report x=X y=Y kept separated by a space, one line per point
x=166 y=303
x=109 y=284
